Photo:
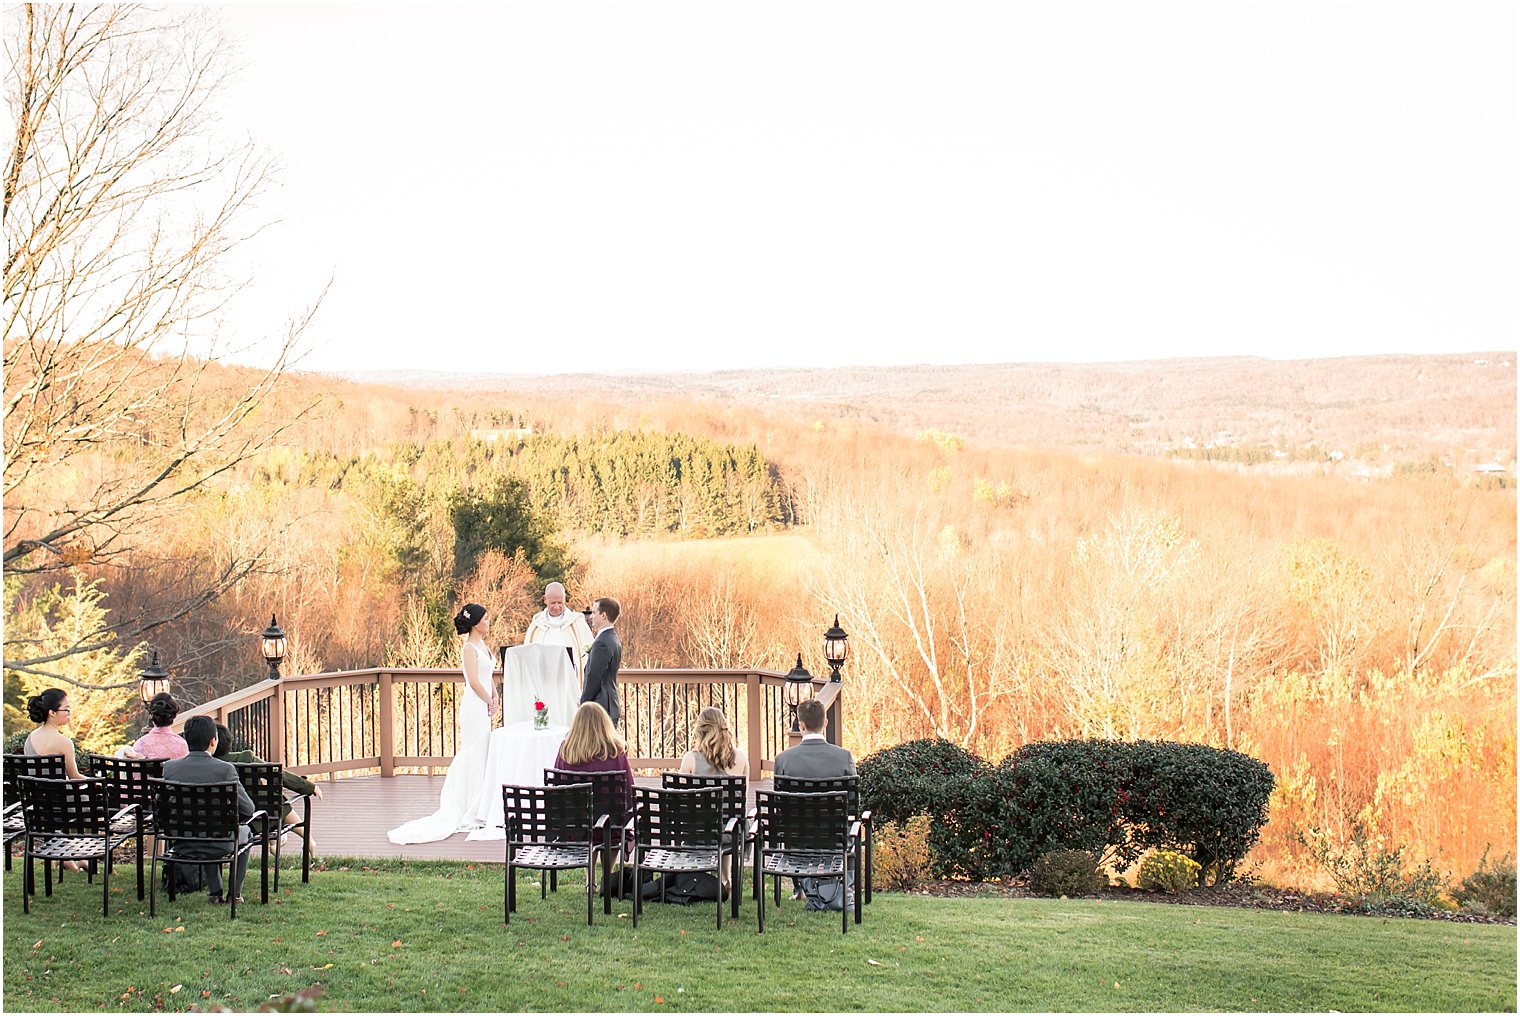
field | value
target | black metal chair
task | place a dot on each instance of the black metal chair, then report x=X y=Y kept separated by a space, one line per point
x=128 y=779
x=806 y=836
x=265 y=783
x=851 y=786
x=197 y=823
x=609 y=800
x=683 y=831
x=551 y=829
x=42 y=767
x=68 y=820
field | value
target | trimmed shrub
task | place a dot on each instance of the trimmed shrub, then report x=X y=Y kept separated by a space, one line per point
x=1491 y=890
x=902 y=854
x=1067 y=873
x=1168 y=871
x=1113 y=799
x=913 y=779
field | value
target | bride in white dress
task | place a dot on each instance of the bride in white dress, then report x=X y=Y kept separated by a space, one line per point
x=467 y=773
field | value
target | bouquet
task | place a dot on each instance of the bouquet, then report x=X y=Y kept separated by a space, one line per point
x=540 y=714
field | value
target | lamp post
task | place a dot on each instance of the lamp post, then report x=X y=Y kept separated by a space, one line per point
x=155 y=680
x=835 y=648
x=797 y=690
x=272 y=642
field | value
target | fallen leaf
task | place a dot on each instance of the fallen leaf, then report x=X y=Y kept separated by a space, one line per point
x=328 y=966
x=320 y=933
x=1116 y=984
x=205 y=994
x=37 y=944
x=396 y=944
x=918 y=938
x=180 y=987
x=180 y=927
x=659 y=1000
x=873 y=963
x=638 y=986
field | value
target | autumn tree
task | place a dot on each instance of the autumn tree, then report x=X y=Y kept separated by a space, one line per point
x=122 y=205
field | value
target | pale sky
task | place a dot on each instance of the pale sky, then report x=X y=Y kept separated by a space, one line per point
x=562 y=186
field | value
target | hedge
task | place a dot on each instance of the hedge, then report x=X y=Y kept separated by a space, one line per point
x=1113 y=799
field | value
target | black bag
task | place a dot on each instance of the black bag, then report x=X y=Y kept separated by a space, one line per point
x=826 y=894
x=684 y=888
x=620 y=886
x=188 y=878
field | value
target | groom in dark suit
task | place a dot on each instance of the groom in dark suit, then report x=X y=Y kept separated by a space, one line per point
x=604 y=658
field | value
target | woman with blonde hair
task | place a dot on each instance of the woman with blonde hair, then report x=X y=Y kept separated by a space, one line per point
x=593 y=746
x=713 y=749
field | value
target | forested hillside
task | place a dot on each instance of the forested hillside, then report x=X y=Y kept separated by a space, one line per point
x=1356 y=633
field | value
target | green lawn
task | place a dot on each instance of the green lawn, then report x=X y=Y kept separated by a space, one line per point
x=429 y=936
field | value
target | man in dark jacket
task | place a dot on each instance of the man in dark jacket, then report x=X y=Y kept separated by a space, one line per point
x=293 y=782
x=200 y=767
x=604 y=658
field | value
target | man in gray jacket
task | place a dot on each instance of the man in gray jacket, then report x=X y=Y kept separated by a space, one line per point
x=200 y=767
x=815 y=758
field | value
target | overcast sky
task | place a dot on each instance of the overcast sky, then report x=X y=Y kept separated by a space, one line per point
x=556 y=187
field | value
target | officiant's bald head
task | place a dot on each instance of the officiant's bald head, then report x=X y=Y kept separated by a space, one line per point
x=554 y=598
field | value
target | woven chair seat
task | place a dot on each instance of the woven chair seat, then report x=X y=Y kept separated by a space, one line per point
x=552 y=855
x=123 y=824
x=69 y=848
x=805 y=864
x=677 y=859
x=15 y=823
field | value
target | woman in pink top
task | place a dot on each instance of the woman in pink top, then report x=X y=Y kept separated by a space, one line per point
x=161 y=742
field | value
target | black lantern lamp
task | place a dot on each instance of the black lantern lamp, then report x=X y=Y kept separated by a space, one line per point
x=272 y=642
x=835 y=648
x=797 y=690
x=155 y=680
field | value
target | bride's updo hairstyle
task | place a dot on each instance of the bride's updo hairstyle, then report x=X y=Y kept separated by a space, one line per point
x=467 y=618
x=38 y=706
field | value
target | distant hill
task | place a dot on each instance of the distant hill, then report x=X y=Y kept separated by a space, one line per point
x=1370 y=407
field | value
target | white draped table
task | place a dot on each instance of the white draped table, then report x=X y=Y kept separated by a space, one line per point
x=517 y=754
x=538 y=672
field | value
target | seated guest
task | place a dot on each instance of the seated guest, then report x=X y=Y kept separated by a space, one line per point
x=593 y=746
x=51 y=711
x=293 y=782
x=814 y=758
x=161 y=742
x=713 y=751
x=200 y=767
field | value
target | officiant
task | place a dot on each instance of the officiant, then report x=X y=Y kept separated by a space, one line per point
x=557 y=625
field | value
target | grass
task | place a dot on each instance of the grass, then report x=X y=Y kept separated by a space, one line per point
x=428 y=936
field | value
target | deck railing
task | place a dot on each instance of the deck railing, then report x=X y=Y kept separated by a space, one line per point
x=386 y=719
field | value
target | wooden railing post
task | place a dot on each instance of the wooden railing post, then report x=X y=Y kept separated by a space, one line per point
x=753 y=711
x=277 y=723
x=387 y=726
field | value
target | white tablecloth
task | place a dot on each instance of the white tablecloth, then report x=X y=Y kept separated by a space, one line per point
x=538 y=671
x=517 y=754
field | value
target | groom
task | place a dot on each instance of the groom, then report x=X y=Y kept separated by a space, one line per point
x=604 y=658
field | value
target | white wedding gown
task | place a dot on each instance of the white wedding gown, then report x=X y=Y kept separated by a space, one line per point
x=467 y=773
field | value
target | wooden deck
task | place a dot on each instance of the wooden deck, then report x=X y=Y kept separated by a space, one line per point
x=354 y=815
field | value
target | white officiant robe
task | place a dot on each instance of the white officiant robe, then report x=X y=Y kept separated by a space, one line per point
x=570 y=630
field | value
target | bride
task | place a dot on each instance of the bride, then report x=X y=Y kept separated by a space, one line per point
x=467 y=772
